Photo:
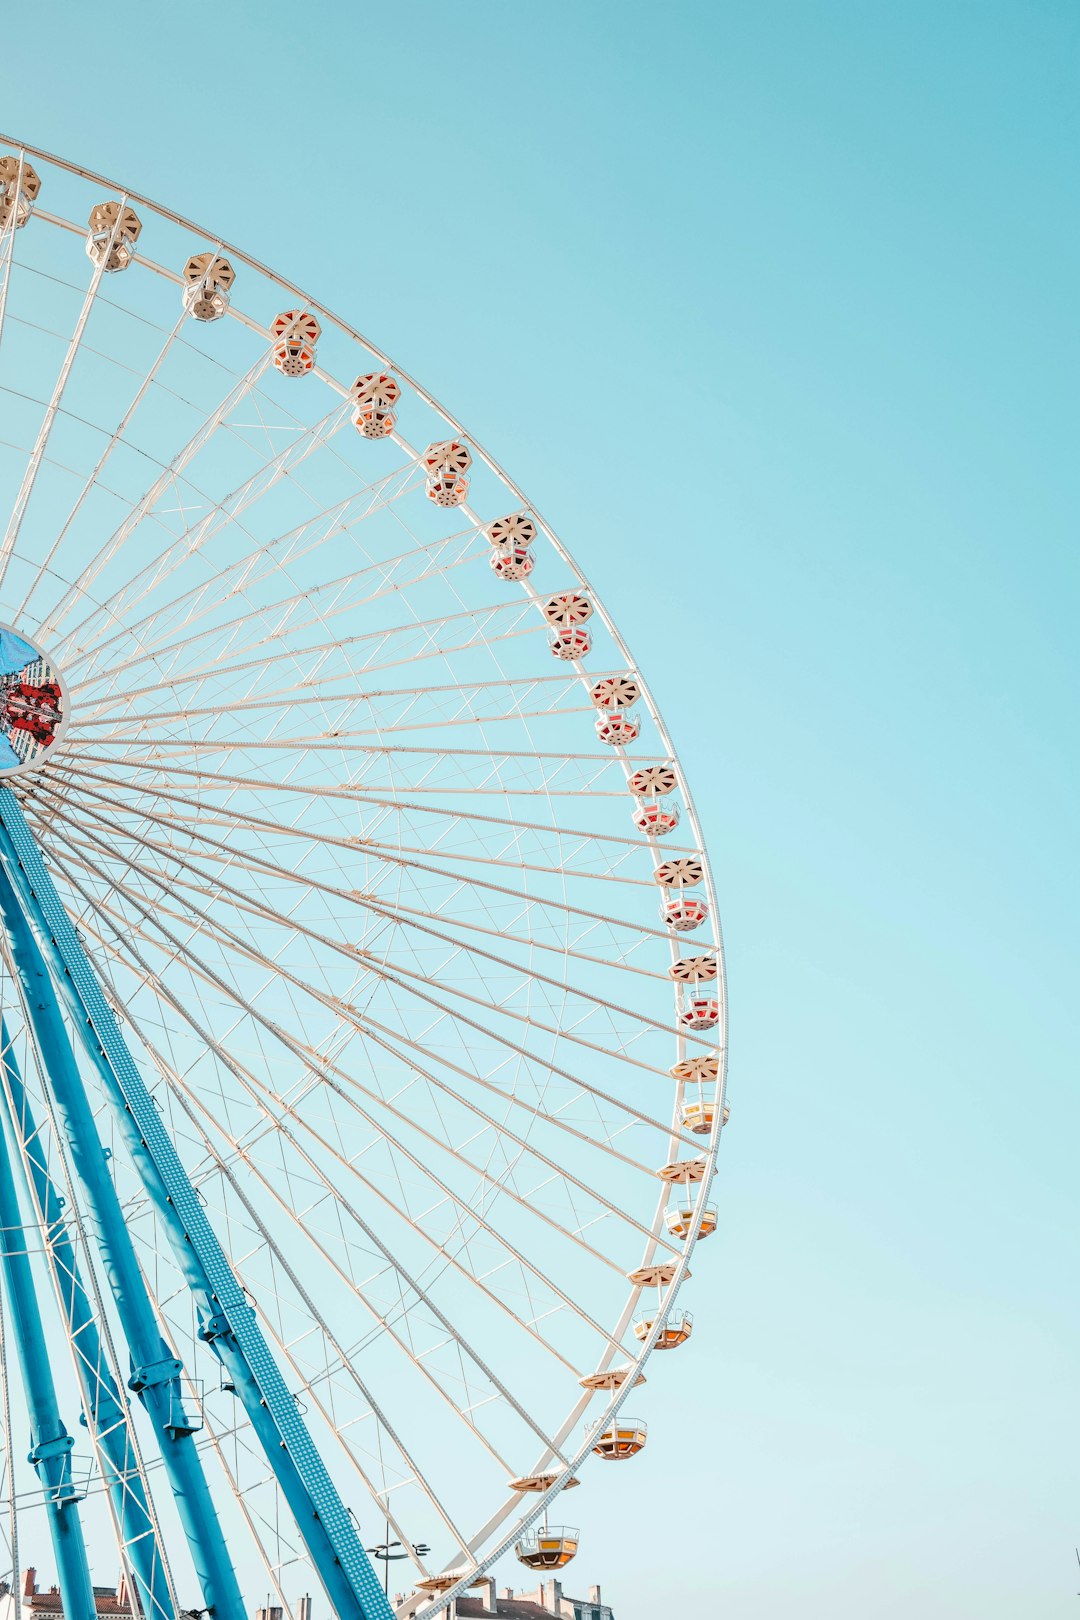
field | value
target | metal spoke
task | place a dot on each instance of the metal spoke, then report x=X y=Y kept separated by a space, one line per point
x=528 y=1019
x=146 y=504
x=243 y=903
x=193 y=1108
x=366 y=1228
x=373 y=1030
x=264 y=825
x=424 y=981
x=33 y=465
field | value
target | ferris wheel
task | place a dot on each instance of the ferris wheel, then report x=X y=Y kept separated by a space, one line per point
x=362 y=1055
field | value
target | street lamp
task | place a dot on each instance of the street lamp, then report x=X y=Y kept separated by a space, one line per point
x=382 y=1552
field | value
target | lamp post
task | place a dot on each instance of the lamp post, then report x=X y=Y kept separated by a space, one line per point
x=386 y=1557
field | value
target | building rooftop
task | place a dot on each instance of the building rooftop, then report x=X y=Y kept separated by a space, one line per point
x=548 y=1602
x=507 y=1608
x=112 y=1602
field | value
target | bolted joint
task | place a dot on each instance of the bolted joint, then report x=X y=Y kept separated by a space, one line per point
x=214 y=1327
x=155 y=1372
x=44 y=1449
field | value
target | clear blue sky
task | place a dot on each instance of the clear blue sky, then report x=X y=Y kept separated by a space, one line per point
x=771 y=307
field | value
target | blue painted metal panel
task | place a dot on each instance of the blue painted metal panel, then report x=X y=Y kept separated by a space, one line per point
x=322 y=1520
x=107 y=1414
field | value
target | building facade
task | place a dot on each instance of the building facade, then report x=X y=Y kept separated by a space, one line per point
x=110 y=1602
x=484 y=1602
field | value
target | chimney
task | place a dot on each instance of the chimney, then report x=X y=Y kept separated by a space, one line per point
x=303 y=1607
x=594 y=1596
x=29 y=1583
x=508 y=1593
x=485 y=1590
x=551 y=1596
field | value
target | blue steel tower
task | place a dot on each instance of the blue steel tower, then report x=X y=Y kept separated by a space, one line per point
x=68 y=1018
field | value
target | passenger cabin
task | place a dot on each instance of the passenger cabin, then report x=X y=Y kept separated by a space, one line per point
x=550 y=1547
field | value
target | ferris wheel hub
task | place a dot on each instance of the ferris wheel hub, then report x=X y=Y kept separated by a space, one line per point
x=34 y=704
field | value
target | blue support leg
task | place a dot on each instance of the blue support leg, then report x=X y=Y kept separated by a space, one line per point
x=229 y=1322
x=107 y=1413
x=157 y=1373
x=50 y=1442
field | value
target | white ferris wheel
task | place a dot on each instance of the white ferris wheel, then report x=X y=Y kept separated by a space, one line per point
x=362 y=1060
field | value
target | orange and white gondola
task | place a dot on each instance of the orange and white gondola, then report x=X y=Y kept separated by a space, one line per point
x=539 y=1483
x=567 y=608
x=208 y=279
x=653 y=781
x=551 y=1547
x=694 y=969
x=613 y=695
x=114 y=230
x=677 y=1328
x=700 y=1014
x=699 y=1115
x=375 y=395
x=648 y=785
x=654 y=821
x=677 y=1324
x=615 y=692
x=445 y=464
x=616 y=1441
x=658 y=1275
x=679 y=1220
x=435 y=1584
x=617 y=727
x=684 y=1170
x=683 y=873
x=512 y=562
x=517 y=529
x=295 y=333
x=571 y=641
x=696 y=1012
x=20 y=185
x=700 y=1068
x=512 y=538
x=684 y=912
x=611 y=1378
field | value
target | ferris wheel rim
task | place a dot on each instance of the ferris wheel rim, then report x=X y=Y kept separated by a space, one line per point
x=709 y=1149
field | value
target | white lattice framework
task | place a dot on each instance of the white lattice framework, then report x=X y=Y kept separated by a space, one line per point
x=374 y=899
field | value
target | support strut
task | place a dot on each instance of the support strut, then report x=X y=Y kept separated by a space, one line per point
x=163 y=1397
x=50 y=1442
x=106 y=1412
x=229 y=1322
